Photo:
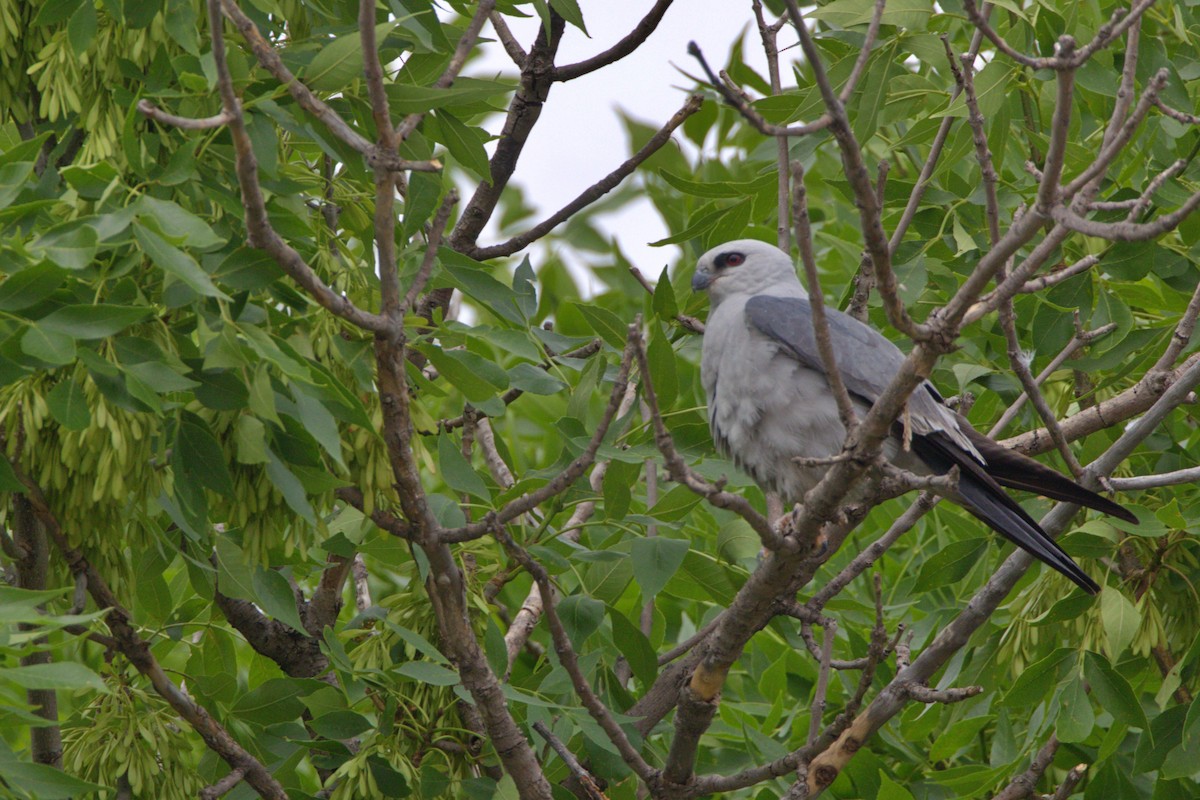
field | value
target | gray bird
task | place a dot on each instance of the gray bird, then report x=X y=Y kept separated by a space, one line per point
x=769 y=402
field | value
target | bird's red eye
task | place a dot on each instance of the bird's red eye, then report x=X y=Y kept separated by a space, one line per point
x=731 y=259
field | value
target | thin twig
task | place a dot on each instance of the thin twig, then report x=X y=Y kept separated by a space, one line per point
x=742 y=104
x=223 y=786
x=864 y=52
x=433 y=242
x=1078 y=341
x=1176 y=114
x=817 y=709
x=768 y=34
x=1022 y=785
x=259 y=231
x=462 y=50
x=819 y=322
x=563 y=480
x=591 y=788
x=628 y=43
x=268 y=57
x=570 y=661
x=593 y=192
x=1181 y=337
x=682 y=473
x=510 y=43
x=151 y=111
x=860 y=181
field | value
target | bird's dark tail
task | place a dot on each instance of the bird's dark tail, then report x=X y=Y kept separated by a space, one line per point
x=1019 y=471
x=1009 y=520
x=981 y=495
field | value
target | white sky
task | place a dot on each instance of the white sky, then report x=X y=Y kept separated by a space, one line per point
x=579 y=137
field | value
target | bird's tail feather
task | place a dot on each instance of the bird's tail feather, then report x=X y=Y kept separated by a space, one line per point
x=983 y=497
x=1019 y=471
x=1010 y=521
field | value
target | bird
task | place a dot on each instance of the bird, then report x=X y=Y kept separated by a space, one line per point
x=769 y=403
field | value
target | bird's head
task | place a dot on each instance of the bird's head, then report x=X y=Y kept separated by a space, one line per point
x=746 y=266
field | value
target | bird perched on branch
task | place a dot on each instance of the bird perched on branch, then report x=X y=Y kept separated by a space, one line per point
x=771 y=409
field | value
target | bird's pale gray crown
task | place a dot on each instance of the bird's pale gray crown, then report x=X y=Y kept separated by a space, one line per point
x=746 y=267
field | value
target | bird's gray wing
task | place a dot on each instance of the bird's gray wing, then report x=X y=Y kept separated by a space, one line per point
x=866 y=359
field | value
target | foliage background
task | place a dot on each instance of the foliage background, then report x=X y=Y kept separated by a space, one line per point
x=190 y=414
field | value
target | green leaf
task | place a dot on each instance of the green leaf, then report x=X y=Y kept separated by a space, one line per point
x=340 y=725
x=661 y=358
x=180 y=19
x=655 y=559
x=59 y=675
x=29 y=286
x=1075 y=715
x=273 y=702
x=636 y=648
x=890 y=790
x=950 y=564
x=1112 y=691
x=457 y=471
x=250 y=437
x=274 y=594
x=9 y=482
x=1038 y=680
x=290 y=487
x=581 y=616
x=340 y=61
x=70 y=245
x=175 y=262
x=320 y=423
x=47 y=783
x=675 y=504
x=405 y=98
x=1120 y=618
x=54 y=13
x=14 y=178
x=665 y=307
x=50 y=346
x=68 y=405
x=963 y=733
x=605 y=323
x=428 y=672
x=92 y=321
x=81 y=29
x=476 y=377
x=569 y=10
x=464 y=143
x=534 y=379
x=199 y=456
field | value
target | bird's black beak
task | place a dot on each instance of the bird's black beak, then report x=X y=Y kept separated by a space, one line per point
x=701 y=280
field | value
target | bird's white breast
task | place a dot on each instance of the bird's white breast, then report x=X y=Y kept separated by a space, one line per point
x=754 y=393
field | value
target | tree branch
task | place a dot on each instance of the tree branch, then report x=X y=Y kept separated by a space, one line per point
x=151 y=111
x=563 y=480
x=593 y=192
x=570 y=661
x=259 y=231
x=630 y=42
x=1022 y=786
x=269 y=59
x=134 y=648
